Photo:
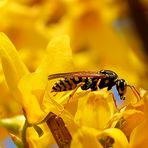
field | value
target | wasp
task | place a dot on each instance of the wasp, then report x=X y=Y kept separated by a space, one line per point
x=91 y=80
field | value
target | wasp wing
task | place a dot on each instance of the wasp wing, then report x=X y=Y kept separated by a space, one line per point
x=77 y=74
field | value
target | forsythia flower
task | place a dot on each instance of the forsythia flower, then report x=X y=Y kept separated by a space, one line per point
x=28 y=88
x=92 y=118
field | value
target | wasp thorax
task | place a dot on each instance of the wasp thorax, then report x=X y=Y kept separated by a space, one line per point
x=109 y=81
x=110 y=74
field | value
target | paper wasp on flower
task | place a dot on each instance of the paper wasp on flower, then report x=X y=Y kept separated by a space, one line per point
x=91 y=80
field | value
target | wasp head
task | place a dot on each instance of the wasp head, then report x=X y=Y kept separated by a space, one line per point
x=121 y=86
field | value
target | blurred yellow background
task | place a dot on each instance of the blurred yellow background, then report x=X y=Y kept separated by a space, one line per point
x=104 y=34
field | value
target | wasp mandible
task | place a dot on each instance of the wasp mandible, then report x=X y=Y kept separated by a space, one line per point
x=91 y=80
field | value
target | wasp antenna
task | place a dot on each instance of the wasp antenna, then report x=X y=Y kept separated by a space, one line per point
x=136 y=93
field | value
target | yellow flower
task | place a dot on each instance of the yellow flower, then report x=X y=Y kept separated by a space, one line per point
x=87 y=137
x=139 y=136
x=29 y=88
x=92 y=106
x=95 y=114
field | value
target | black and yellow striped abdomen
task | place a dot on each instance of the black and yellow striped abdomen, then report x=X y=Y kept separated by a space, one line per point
x=71 y=83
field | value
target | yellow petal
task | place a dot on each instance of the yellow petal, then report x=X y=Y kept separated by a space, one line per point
x=57 y=60
x=93 y=110
x=34 y=141
x=59 y=56
x=139 y=136
x=13 y=67
x=119 y=139
x=86 y=138
x=130 y=116
x=146 y=107
x=32 y=88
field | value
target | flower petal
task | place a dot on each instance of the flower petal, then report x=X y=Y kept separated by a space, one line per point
x=139 y=136
x=13 y=67
x=32 y=88
x=85 y=138
x=91 y=108
x=119 y=139
x=59 y=56
x=35 y=141
x=130 y=116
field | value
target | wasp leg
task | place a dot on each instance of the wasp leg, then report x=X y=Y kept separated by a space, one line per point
x=71 y=96
x=136 y=93
x=114 y=99
x=74 y=91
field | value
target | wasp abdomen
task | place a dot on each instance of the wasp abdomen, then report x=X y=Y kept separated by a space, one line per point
x=71 y=83
x=66 y=84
